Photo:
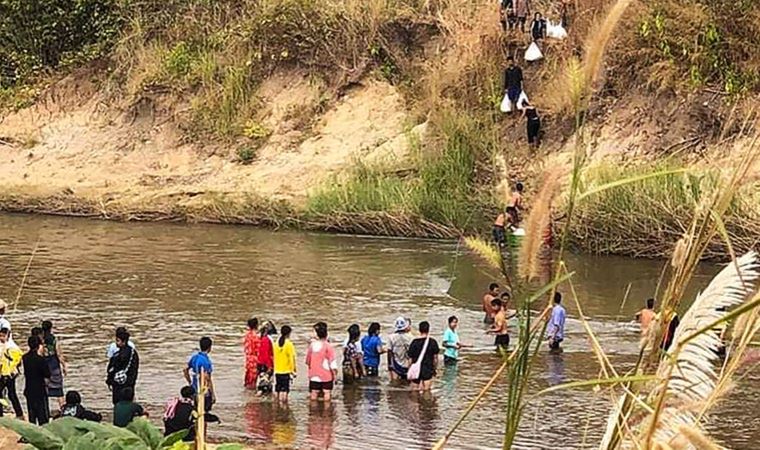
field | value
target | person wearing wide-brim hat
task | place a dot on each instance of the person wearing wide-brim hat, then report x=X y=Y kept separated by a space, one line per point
x=398 y=346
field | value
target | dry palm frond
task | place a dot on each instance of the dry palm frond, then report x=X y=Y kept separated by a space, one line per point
x=487 y=252
x=538 y=224
x=688 y=372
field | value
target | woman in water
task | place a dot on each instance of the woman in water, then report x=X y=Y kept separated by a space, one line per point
x=353 y=367
x=284 y=363
x=372 y=347
x=55 y=361
x=251 y=349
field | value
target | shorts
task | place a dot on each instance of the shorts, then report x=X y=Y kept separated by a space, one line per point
x=513 y=92
x=424 y=376
x=488 y=320
x=554 y=343
x=282 y=382
x=502 y=341
x=398 y=369
x=449 y=361
x=370 y=371
x=320 y=385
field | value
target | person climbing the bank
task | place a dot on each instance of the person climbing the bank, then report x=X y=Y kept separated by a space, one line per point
x=556 y=326
x=36 y=374
x=251 y=343
x=522 y=11
x=499 y=327
x=507 y=15
x=56 y=361
x=398 y=348
x=10 y=360
x=200 y=365
x=499 y=230
x=179 y=414
x=72 y=407
x=424 y=352
x=538 y=27
x=123 y=366
x=488 y=297
x=284 y=364
x=322 y=364
x=372 y=348
x=513 y=82
x=353 y=358
x=646 y=316
x=532 y=124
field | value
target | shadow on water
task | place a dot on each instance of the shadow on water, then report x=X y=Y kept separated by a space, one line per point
x=170 y=284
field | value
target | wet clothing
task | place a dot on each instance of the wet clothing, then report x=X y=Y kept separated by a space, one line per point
x=371 y=346
x=126 y=360
x=502 y=341
x=251 y=343
x=450 y=340
x=320 y=359
x=554 y=343
x=178 y=417
x=427 y=368
x=80 y=412
x=533 y=125
x=266 y=354
x=538 y=29
x=36 y=371
x=284 y=358
x=321 y=385
x=282 y=382
x=124 y=412
x=352 y=359
x=398 y=345
x=557 y=322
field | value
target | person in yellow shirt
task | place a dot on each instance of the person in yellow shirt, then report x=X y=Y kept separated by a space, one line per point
x=284 y=363
x=10 y=358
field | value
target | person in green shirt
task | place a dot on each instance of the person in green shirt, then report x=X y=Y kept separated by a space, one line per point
x=451 y=343
x=126 y=409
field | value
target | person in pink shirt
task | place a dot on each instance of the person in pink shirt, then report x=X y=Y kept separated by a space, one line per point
x=322 y=364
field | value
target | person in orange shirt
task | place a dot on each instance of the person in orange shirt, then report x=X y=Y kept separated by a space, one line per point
x=645 y=316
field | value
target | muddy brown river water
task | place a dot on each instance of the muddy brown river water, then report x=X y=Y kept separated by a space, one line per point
x=171 y=284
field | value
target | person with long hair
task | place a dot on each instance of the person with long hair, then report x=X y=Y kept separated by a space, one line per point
x=251 y=343
x=372 y=348
x=353 y=365
x=56 y=362
x=266 y=359
x=284 y=363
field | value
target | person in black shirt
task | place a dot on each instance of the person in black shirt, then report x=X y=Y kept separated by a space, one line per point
x=507 y=14
x=179 y=414
x=36 y=371
x=538 y=27
x=429 y=359
x=513 y=81
x=533 y=123
x=73 y=408
x=123 y=366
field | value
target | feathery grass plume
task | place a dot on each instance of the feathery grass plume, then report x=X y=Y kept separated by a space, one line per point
x=486 y=251
x=597 y=41
x=537 y=224
x=697 y=438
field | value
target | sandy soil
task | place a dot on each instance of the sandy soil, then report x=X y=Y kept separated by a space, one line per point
x=73 y=145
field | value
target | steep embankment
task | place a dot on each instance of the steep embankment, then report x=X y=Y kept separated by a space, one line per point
x=362 y=117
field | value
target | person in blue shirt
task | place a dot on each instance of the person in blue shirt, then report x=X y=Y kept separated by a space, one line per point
x=556 y=327
x=451 y=343
x=200 y=363
x=372 y=347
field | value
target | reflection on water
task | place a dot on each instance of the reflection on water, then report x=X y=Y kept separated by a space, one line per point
x=171 y=284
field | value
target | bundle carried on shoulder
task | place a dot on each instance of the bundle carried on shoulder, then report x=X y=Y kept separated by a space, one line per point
x=533 y=53
x=555 y=31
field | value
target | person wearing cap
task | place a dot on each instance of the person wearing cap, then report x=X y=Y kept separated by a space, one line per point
x=398 y=348
x=10 y=359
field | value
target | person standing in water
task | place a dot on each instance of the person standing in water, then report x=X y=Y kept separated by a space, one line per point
x=451 y=343
x=251 y=343
x=36 y=373
x=556 y=326
x=424 y=352
x=499 y=327
x=56 y=361
x=322 y=364
x=284 y=364
x=123 y=366
x=398 y=348
x=372 y=348
x=645 y=316
x=199 y=365
x=488 y=297
x=10 y=359
x=532 y=125
x=266 y=359
x=353 y=360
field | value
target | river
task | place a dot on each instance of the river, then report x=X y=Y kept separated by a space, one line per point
x=170 y=284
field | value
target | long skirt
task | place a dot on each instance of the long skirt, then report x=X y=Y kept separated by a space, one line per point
x=55 y=387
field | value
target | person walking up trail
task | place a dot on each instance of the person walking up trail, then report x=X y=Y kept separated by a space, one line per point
x=507 y=15
x=424 y=352
x=538 y=27
x=398 y=348
x=284 y=363
x=251 y=343
x=522 y=11
x=645 y=316
x=56 y=361
x=123 y=367
x=36 y=373
x=323 y=367
x=372 y=348
x=513 y=82
x=556 y=327
x=10 y=359
x=199 y=365
x=532 y=124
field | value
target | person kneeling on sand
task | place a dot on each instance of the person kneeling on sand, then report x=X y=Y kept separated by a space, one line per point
x=73 y=408
x=179 y=414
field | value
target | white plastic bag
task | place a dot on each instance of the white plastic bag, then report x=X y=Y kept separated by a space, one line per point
x=533 y=53
x=555 y=31
x=506 y=104
x=413 y=373
x=522 y=100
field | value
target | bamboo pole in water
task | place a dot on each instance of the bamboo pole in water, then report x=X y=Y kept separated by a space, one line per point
x=200 y=422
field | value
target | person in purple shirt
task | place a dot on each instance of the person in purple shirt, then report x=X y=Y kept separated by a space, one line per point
x=556 y=327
